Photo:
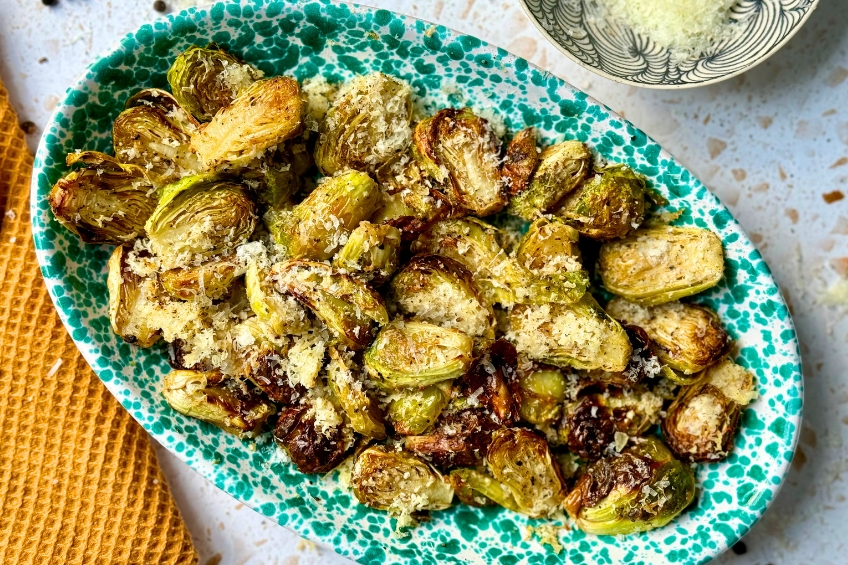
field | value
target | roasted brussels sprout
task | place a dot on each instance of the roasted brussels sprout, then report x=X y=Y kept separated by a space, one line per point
x=199 y=216
x=127 y=296
x=263 y=354
x=460 y=150
x=476 y=488
x=281 y=312
x=156 y=141
x=491 y=383
x=362 y=411
x=205 y=80
x=610 y=205
x=702 y=420
x=417 y=354
x=372 y=252
x=441 y=291
x=521 y=461
x=314 y=436
x=276 y=176
x=347 y=306
x=500 y=278
x=562 y=167
x=317 y=227
x=521 y=160
x=398 y=482
x=641 y=489
x=212 y=279
x=366 y=126
x=644 y=363
x=167 y=103
x=264 y=114
x=542 y=390
x=549 y=247
x=686 y=337
x=657 y=265
x=413 y=411
x=458 y=439
x=104 y=201
x=579 y=335
x=226 y=403
x=597 y=423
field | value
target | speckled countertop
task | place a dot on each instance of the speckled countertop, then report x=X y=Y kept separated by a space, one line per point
x=772 y=144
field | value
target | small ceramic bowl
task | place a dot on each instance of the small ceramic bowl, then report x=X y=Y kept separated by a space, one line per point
x=580 y=29
x=306 y=38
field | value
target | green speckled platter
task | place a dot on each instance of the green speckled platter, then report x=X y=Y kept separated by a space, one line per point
x=445 y=68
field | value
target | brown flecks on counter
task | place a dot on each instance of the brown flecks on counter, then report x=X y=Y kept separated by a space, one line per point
x=809 y=437
x=215 y=559
x=837 y=76
x=781 y=172
x=841 y=227
x=707 y=119
x=845 y=420
x=840 y=265
x=792 y=214
x=766 y=121
x=833 y=196
x=715 y=147
x=839 y=162
x=827 y=245
x=756 y=238
x=739 y=174
x=762 y=187
x=830 y=112
x=799 y=460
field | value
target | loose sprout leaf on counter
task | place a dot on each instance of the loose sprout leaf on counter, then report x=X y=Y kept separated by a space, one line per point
x=386 y=315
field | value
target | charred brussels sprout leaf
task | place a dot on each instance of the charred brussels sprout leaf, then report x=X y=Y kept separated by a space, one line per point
x=460 y=150
x=441 y=291
x=562 y=167
x=362 y=411
x=366 y=126
x=398 y=482
x=212 y=279
x=702 y=420
x=549 y=247
x=610 y=205
x=167 y=103
x=490 y=385
x=347 y=306
x=520 y=162
x=314 y=447
x=458 y=438
x=206 y=80
x=200 y=216
x=542 y=390
x=317 y=227
x=372 y=252
x=104 y=201
x=521 y=461
x=263 y=115
x=641 y=489
x=413 y=411
x=282 y=313
x=226 y=403
x=417 y=354
x=263 y=354
x=128 y=294
x=657 y=265
x=579 y=335
x=686 y=337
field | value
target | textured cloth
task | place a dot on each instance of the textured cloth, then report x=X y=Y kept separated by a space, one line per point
x=79 y=481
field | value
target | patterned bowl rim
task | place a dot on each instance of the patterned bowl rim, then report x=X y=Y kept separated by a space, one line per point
x=600 y=72
x=207 y=469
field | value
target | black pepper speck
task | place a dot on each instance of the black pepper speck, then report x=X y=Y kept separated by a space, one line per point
x=160 y=6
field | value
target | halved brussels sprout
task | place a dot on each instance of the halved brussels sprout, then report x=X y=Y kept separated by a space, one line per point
x=212 y=279
x=521 y=461
x=542 y=390
x=314 y=436
x=490 y=385
x=200 y=216
x=460 y=150
x=156 y=141
x=476 y=488
x=362 y=411
x=561 y=169
x=441 y=291
x=549 y=247
x=104 y=201
x=366 y=126
x=226 y=403
x=372 y=252
x=657 y=265
x=127 y=294
x=206 y=80
x=592 y=425
x=702 y=420
x=579 y=335
x=641 y=489
x=417 y=354
x=398 y=482
x=317 y=227
x=500 y=278
x=346 y=305
x=276 y=176
x=644 y=363
x=610 y=205
x=282 y=313
x=521 y=160
x=686 y=337
x=264 y=114
x=263 y=354
x=167 y=103
x=458 y=438
x=413 y=411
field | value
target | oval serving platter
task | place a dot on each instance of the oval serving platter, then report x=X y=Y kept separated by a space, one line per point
x=306 y=38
